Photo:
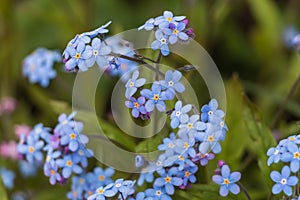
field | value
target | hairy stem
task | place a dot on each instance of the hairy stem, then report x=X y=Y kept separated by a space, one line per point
x=138 y=60
x=284 y=103
x=244 y=190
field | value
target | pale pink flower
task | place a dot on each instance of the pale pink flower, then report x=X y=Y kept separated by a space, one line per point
x=7 y=105
x=9 y=150
x=22 y=129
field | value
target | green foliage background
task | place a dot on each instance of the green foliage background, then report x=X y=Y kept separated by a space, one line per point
x=243 y=37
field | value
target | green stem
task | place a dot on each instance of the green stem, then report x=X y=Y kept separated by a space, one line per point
x=157 y=66
x=284 y=103
x=138 y=60
x=244 y=190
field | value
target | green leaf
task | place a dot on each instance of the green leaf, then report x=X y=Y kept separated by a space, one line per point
x=261 y=136
x=204 y=191
x=237 y=138
x=3 y=194
x=94 y=125
x=60 y=107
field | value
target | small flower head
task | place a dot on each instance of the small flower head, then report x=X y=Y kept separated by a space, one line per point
x=171 y=84
x=155 y=98
x=227 y=181
x=7 y=177
x=38 y=66
x=283 y=181
x=137 y=106
x=133 y=84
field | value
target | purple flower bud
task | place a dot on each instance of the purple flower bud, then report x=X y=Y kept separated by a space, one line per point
x=185 y=21
x=221 y=163
x=172 y=26
x=217 y=172
x=190 y=33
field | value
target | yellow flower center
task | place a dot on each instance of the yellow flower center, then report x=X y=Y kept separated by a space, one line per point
x=52 y=172
x=31 y=149
x=48 y=158
x=187 y=174
x=75 y=194
x=90 y=193
x=292 y=138
x=189 y=125
x=72 y=136
x=123 y=66
x=32 y=67
x=136 y=104
x=226 y=181
x=131 y=84
x=69 y=163
x=186 y=145
x=101 y=191
x=296 y=154
x=175 y=31
x=169 y=19
x=80 y=152
x=81 y=181
x=101 y=177
x=210 y=138
x=77 y=55
x=168 y=179
x=181 y=157
x=156 y=97
x=202 y=155
x=171 y=145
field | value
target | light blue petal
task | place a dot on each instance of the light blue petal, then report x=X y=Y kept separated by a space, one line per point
x=149 y=105
x=275 y=176
x=105 y=50
x=161 y=106
x=225 y=171
x=285 y=172
x=175 y=123
x=159 y=182
x=169 y=189
x=293 y=180
x=179 y=87
x=165 y=50
x=146 y=93
x=77 y=169
x=183 y=36
x=234 y=188
x=235 y=177
x=173 y=39
x=177 y=181
x=96 y=43
x=155 y=45
x=287 y=190
x=73 y=145
x=140 y=82
x=223 y=191
x=70 y=64
x=66 y=172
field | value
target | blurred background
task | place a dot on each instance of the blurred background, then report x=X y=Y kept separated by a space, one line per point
x=245 y=38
